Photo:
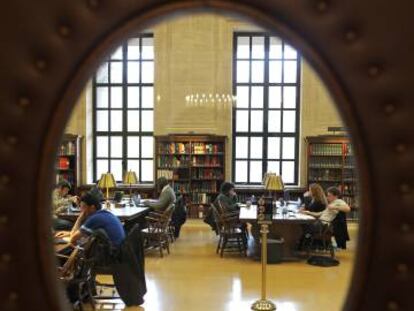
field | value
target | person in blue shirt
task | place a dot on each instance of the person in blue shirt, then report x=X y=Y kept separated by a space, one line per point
x=92 y=217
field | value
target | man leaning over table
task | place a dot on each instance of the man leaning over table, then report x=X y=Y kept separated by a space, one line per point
x=167 y=196
x=91 y=218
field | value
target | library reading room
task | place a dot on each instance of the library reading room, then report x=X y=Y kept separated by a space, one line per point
x=204 y=164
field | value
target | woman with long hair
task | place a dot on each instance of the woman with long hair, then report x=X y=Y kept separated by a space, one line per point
x=318 y=201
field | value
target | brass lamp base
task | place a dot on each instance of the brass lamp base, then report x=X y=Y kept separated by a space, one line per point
x=263 y=305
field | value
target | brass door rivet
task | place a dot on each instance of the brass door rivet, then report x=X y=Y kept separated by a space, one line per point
x=374 y=71
x=24 y=101
x=64 y=30
x=402 y=268
x=400 y=148
x=392 y=306
x=41 y=64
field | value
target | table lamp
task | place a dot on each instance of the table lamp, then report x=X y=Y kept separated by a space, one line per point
x=130 y=178
x=272 y=182
x=107 y=181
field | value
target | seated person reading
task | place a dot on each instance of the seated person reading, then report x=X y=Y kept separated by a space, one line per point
x=167 y=196
x=317 y=202
x=61 y=202
x=227 y=199
x=91 y=218
x=335 y=205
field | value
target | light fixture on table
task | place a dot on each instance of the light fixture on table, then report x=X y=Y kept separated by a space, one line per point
x=271 y=182
x=130 y=178
x=105 y=182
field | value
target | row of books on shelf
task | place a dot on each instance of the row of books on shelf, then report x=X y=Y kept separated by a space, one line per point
x=325 y=163
x=67 y=148
x=205 y=186
x=181 y=187
x=326 y=149
x=207 y=173
x=63 y=163
x=203 y=148
x=184 y=161
x=65 y=176
x=174 y=148
x=201 y=198
x=176 y=161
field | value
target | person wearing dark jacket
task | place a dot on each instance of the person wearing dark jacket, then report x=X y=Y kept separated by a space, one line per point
x=227 y=199
x=318 y=201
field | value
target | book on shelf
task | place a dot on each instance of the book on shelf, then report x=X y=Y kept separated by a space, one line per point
x=326 y=150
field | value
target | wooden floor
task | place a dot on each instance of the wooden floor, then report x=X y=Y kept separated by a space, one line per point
x=193 y=277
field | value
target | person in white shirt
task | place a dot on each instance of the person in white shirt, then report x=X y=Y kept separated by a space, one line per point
x=335 y=205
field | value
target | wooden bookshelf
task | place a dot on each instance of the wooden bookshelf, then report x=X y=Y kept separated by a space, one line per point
x=195 y=166
x=331 y=163
x=68 y=161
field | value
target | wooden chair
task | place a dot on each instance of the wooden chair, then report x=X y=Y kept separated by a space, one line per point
x=157 y=235
x=321 y=238
x=231 y=236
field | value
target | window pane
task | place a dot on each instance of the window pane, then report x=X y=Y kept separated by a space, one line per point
x=102 y=120
x=275 y=71
x=133 y=165
x=116 y=121
x=133 y=121
x=102 y=74
x=116 y=72
x=147 y=72
x=241 y=147
x=288 y=172
x=242 y=71
x=242 y=121
x=258 y=47
x=101 y=168
x=257 y=97
x=116 y=147
x=289 y=97
x=117 y=54
x=147 y=121
x=147 y=170
x=290 y=72
x=116 y=169
x=256 y=147
x=275 y=96
x=133 y=147
x=133 y=48
x=256 y=121
x=241 y=171
x=242 y=97
x=273 y=148
x=148 y=48
x=289 y=121
x=243 y=49
x=147 y=97
x=133 y=72
x=116 y=97
x=290 y=52
x=102 y=97
x=273 y=166
x=102 y=146
x=273 y=123
x=257 y=71
x=147 y=145
x=133 y=97
x=256 y=171
x=275 y=48
x=288 y=148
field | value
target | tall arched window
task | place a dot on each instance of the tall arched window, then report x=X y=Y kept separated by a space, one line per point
x=266 y=75
x=123 y=111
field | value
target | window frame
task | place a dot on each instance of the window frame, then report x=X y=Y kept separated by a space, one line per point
x=265 y=84
x=124 y=133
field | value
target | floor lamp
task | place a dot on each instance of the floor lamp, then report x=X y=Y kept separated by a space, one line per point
x=272 y=182
x=107 y=181
x=130 y=178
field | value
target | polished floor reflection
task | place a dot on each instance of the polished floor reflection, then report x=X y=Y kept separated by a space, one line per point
x=193 y=277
